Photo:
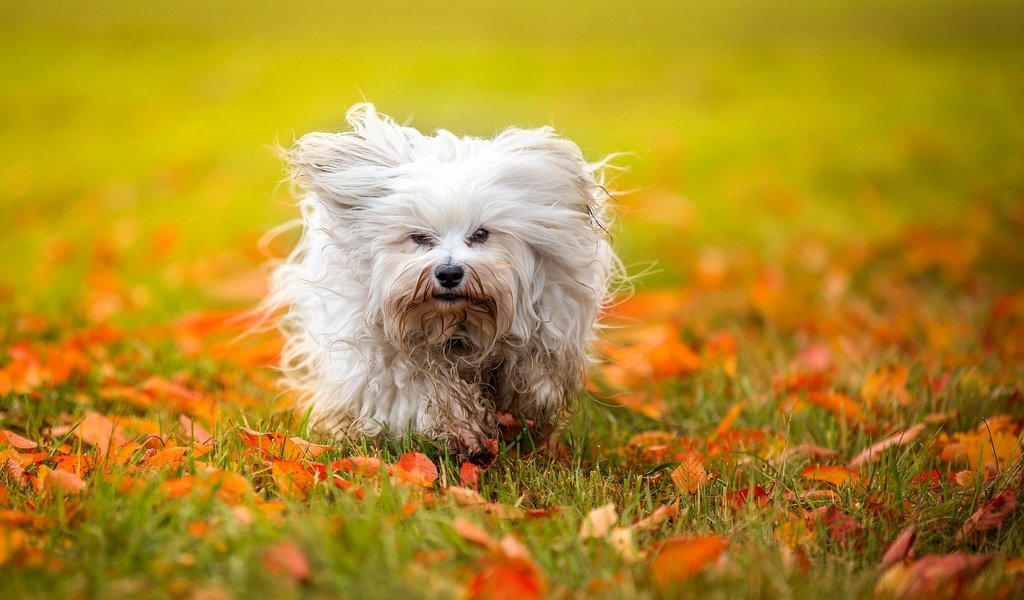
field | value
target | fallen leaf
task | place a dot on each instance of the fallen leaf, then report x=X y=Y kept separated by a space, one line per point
x=900 y=549
x=194 y=431
x=100 y=431
x=657 y=517
x=932 y=577
x=17 y=441
x=680 y=558
x=464 y=496
x=690 y=475
x=69 y=483
x=292 y=478
x=415 y=468
x=469 y=474
x=899 y=438
x=992 y=514
x=835 y=475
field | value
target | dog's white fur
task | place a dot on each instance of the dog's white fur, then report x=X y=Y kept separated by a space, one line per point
x=371 y=347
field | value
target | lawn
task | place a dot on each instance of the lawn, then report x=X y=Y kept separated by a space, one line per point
x=814 y=388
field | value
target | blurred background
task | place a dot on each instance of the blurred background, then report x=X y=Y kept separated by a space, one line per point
x=137 y=163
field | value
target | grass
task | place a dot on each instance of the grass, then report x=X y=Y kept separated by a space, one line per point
x=814 y=181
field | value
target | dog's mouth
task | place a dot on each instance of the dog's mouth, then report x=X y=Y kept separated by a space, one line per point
x=448 y=297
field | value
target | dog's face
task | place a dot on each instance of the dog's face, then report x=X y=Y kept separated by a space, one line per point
x=455 y=238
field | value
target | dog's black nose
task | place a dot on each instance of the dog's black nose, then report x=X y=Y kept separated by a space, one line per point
x=449 y=276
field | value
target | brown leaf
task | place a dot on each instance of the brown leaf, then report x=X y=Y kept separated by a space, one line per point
x=900 y=549
x=680 y=558
x=474 y=534
x=992 y=514
x=899 y=438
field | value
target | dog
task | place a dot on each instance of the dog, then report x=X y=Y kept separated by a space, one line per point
x=442 y=280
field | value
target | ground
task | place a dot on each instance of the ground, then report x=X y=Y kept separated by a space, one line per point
x=814 y=386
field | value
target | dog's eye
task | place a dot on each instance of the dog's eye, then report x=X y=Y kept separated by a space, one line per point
x=479 y=236
x=421 y=239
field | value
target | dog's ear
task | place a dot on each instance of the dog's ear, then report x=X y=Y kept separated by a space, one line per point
x=348 y=169
x=539 y=159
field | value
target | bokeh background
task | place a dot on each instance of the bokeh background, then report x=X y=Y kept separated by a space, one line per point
x=141 y=134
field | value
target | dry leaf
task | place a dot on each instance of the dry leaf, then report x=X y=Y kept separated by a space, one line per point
x=830 y=474
x=690 y=475
x=992 y=514
x=899 y=438
x=415 y=468
x=900 y=549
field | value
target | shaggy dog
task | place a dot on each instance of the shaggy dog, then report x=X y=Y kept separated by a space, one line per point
x=441 y=280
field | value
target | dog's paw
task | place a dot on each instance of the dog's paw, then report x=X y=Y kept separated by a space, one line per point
x=475 y=447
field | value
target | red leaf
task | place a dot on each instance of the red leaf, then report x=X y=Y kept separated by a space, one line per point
x=992 y=514
x=739 y=498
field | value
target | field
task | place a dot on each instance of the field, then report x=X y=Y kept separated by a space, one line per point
x=813 y=388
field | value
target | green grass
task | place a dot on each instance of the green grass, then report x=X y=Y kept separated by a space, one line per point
x=874 y=148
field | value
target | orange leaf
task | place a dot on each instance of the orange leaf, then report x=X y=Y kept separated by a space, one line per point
x=99 y=431
x=660 y=515
x=690 y=475
x=286 y=560
x=888 y=383
x=292 y=478
x=680 y=558
x=469 y=474
x=175 y=456
x=474 y=534
x=830 y=474
x=278 y=445
x=729 y=419
x=415 y=468
x=839 y=405
x=11 y=541
x=506 y=580
x=360 y=465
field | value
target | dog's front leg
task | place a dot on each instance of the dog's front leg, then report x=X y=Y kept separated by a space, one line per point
x=537 y=391
x=459 y=413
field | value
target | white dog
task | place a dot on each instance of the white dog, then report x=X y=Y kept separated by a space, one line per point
x=441 y=279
